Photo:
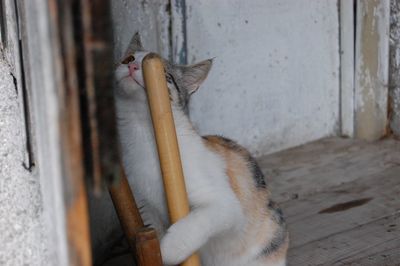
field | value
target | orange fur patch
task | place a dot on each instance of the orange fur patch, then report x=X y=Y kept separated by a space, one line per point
x=260 y=226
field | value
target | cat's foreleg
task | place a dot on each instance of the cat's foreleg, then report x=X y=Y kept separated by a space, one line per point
x=192 y=232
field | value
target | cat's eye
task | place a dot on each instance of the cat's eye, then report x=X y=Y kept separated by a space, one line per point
x=128 y=60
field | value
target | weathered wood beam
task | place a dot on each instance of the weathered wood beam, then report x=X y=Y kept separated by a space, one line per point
x=371 y=69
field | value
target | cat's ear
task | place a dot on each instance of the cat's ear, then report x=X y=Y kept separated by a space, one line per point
x=191 y=76
x=134 y=45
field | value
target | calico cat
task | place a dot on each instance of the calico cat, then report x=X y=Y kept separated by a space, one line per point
x=232 y=219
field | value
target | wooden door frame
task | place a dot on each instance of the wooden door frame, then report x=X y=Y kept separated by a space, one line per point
x=69 y=71
x=364 y=53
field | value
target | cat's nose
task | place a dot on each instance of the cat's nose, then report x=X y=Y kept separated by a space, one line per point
x=133 y=67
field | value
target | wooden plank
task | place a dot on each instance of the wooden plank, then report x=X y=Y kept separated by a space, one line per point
x=371 y=68
x=313 y=167
x=42 y=83
x=342 y=185
x=49 y=52
x=61 y=18
x=97 y=100
x=346 y=14
x=360 y=243
x=394 y=69
x=343 y=207
x=382 y=254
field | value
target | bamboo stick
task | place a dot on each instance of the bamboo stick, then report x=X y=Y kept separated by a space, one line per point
x=125 y=206
x=143 y=241
x=167 y=143
x=148 y=248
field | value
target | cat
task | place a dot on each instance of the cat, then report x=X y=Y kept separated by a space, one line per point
x=232 y=219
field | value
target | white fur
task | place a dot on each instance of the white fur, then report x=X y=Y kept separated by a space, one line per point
x=215 y=208
x=216 y=219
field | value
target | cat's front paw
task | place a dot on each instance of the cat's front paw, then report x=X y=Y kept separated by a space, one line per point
x=173 y=248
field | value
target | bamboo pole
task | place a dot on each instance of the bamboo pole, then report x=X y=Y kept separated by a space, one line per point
x=143 y=241
x=167 y=143
x=147 y=248
x=127 y=211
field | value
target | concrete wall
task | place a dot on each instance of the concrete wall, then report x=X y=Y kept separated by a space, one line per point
x=150 y=18
x=23 y=234
x=275 y=78
x=394 y=78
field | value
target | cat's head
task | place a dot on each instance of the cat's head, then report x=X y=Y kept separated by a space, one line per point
x=182 y=80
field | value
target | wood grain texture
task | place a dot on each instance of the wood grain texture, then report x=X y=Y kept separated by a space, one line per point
x=307 y=169
x=167 y=143
x=357 y=243
x=346 y=206
x=125 y=205
x=371 y=68
x=148 y=248
x=307 y=223
x=383 y=254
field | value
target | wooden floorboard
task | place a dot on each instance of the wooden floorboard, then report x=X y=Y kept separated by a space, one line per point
x=356 y=244
x=383 y=254
x=343 y=207
x=329 y=162
x=341 y=198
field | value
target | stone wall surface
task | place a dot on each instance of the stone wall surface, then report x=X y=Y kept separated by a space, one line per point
x=23 y=235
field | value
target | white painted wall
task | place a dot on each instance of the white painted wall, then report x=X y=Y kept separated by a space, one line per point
x=149 y=18
x=275 y=79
